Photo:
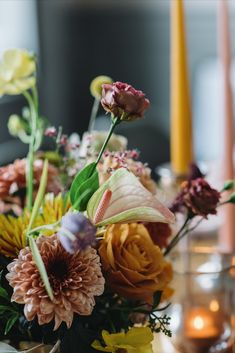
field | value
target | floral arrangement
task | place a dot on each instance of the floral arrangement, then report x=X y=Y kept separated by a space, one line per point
x=83 y=236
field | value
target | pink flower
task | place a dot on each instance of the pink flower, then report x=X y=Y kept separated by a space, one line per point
x=76 y=279
x=124 y=101
x=50 y=131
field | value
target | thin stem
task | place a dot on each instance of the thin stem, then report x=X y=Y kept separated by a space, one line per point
x=94 y=112
x=175 y=240
x=180 y=236
x=115 y=122
x=30 y=158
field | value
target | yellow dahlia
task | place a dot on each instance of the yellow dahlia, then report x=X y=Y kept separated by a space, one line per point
x=13 y=229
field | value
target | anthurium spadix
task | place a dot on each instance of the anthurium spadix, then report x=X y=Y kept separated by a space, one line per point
x=123 y=199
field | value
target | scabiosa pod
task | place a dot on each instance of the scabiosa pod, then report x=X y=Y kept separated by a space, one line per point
x=76 y=232
x=96 y=85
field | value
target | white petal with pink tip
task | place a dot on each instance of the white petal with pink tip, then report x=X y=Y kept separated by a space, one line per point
x=130 y=202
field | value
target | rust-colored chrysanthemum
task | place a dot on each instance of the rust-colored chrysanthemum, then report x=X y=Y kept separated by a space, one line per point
x=75 y=280
x=12 y=177
x=112 y=161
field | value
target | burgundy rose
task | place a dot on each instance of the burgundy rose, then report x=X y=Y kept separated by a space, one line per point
x=197 y=197
x=124 y=101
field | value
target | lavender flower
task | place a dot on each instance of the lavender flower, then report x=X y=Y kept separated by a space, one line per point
x=76 y=232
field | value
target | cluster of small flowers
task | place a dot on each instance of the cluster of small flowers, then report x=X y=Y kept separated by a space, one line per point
x=60 y=139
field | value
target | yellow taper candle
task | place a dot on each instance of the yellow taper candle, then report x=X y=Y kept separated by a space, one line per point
x=181 y=119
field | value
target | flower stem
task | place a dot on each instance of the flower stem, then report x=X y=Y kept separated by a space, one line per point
x=177 y=237
x=115 y=122
x=29 y=170
x=94 y=112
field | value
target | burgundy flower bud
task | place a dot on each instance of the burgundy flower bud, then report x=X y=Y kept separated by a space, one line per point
x=76 y=232
x=124 y=101
x=198 y=198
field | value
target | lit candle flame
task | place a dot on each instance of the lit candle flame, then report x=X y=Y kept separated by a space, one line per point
x=198 y=322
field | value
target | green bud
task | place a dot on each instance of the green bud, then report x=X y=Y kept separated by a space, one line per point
x=16 y=125
x=232 y=198
x=96 y=85
x=228 y=185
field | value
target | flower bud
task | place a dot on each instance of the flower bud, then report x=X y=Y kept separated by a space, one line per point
x=228 y=185
x=232 y=198
x=96 y=85
x=50 y=131
x=16 y=125
x=76 y=232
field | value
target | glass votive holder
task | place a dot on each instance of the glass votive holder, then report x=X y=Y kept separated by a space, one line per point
x=202 y=304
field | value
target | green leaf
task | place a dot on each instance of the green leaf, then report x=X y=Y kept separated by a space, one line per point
x=80 y=178
x=156 y=299
x=41 y=267
x=85 y=192
x=3 y=293
x=4 y=308
x=40 y=195
x=10 y=323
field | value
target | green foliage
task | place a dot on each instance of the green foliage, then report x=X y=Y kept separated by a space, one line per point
x=232 y=198
x=9 y=312
x=3 y=293
x=83 y=187
x=228 y=185
x=11 y=321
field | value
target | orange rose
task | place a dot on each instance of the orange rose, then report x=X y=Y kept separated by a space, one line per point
x=134 y=267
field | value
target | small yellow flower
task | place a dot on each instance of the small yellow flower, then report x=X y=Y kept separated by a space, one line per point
x=17 y=72
x=13 y=229
x=136 y=340
x=96 y=85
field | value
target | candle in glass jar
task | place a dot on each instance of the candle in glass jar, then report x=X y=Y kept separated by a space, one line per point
x=201 y=323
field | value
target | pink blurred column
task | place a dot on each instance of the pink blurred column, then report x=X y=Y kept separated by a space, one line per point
x=227 y=231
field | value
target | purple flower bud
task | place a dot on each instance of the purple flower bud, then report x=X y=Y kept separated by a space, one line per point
x=50 y=131
x=76 y=232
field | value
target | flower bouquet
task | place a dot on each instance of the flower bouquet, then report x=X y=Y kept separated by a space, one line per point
x=83 y=236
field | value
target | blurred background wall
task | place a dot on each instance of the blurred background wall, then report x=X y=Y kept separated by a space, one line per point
x=127 y=40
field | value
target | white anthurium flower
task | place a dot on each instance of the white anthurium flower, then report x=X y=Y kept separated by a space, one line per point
x=123 y=199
